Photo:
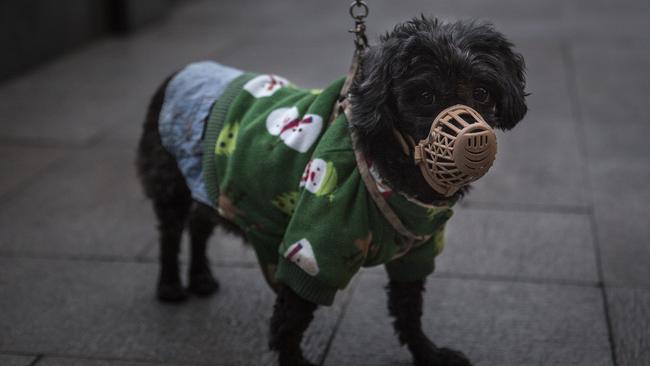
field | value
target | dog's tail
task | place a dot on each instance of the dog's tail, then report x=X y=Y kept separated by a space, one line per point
x=157 y=169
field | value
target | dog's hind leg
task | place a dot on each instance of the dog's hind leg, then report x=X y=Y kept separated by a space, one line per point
x=291 y=317
x=405 y=305
x=171 y=221
x=164 y=184
x=201 y=225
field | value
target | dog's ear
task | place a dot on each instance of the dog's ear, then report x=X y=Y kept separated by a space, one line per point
x=380 y=65
x=511 y=106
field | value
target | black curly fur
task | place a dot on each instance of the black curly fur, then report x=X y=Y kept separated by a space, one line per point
x=405 y=305
x=172 y=201
x=449 y=60
x=291 y=317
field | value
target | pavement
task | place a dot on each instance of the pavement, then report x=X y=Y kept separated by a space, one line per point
x=546 y=263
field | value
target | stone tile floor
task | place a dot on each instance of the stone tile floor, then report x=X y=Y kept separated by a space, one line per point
x=547 y=262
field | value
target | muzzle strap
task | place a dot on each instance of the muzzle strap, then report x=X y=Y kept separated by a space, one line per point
x=402 y=142
x=412 y=240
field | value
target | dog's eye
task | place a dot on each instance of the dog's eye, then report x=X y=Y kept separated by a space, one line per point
x=426 y=98
x=481 y=95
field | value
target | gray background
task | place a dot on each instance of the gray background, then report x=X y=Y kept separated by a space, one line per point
x=546 y=263
x=35 y=31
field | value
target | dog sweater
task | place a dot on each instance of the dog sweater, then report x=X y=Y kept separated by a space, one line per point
x=291 y=183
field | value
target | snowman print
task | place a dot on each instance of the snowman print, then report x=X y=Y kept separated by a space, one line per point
x=298 y=133
x=319 y=177
x=302 y=254
x=265 y=85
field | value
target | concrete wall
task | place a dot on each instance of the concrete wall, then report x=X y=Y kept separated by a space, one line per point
x=131 y=14
x=34 y=31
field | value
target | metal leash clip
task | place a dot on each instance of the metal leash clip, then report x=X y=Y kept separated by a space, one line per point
x=359 y=11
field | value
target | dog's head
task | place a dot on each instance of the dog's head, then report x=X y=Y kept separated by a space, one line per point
x=421 y=68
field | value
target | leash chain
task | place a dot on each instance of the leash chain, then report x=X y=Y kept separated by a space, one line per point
x=359 y=11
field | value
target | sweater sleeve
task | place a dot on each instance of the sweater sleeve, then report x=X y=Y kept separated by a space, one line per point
x=325 y=243
x=418 y=263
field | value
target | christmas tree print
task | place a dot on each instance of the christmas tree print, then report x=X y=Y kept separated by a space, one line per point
x=354 y=259
x=286 y=202
x=298 y=133
x=265 y=85
x=363 y=244
x=302 y=254
x=227 y=139
x=319 y=177
x=227 y=209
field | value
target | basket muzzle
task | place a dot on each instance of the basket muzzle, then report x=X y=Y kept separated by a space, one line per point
x=459 y=149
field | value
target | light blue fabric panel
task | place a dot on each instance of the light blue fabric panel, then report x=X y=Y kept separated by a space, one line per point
x=188 y=99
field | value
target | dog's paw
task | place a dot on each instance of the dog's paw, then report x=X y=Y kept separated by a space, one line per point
x=302 y=362
x=442 y=357
x=170 y=292
x=203 y=284
x=306 y=363
x=295 y=361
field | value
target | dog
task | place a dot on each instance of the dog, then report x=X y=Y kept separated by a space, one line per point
x=415 y=72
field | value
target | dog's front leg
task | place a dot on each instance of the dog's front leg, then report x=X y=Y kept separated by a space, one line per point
x=405 y=305
x=291 y=317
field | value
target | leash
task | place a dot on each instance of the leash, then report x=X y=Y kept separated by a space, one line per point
x=359 y=11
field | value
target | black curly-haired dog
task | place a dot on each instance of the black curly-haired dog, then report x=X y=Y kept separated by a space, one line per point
x=420 y=68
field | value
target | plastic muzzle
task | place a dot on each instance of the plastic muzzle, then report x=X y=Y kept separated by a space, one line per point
x=459 y=149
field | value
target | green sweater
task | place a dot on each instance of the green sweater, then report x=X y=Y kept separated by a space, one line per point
x=292 y=185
